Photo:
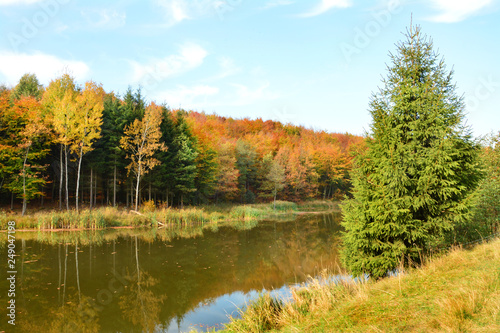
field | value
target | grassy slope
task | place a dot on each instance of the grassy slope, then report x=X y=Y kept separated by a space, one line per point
x=459 y=292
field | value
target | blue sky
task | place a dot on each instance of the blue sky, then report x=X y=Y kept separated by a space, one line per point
x=313 y=63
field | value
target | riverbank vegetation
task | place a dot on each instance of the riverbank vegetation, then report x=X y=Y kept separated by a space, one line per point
x=150 y=215
x=458 y=292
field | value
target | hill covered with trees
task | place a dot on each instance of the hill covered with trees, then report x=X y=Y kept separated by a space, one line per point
x=67 y=144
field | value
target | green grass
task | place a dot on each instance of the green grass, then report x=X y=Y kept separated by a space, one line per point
x=458 y=292
x=104 y=217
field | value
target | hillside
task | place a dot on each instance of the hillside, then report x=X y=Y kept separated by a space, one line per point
x=54 y=150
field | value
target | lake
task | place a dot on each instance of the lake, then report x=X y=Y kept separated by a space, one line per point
x=161 y=280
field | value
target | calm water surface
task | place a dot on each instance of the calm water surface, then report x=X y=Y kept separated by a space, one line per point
x=166 y=280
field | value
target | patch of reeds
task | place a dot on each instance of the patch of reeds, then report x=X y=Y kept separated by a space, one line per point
x=150 y=215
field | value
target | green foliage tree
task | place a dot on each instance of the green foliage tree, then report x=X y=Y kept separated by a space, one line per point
x=486 y=212
x=25 y=144
x=206 y=168
x=108 y=158
x=274 y=180
x=415 y=180
x=165 y=172
x=246 y=162
x=28 y=86
x=6 y=150
x=184 y=159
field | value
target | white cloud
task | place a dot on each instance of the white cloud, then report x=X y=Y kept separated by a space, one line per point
x=457 y=10
x=277 y=3
x=187 y=97
x=177 y=11
x=45 y=66
x=326 y=5
x=105 y=18
x=18 y=2
x=189 y=57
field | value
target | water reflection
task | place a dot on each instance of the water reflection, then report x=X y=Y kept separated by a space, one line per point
x=161 y=280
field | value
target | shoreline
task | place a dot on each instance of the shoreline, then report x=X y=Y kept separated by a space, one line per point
x=104 y=218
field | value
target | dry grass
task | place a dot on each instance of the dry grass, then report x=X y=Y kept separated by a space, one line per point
x=458 y=292
x=103 y=217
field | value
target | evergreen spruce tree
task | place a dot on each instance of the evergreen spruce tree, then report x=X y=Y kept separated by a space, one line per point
x=28 y=86
x=184 y=160
x=415 y=179
x=165 y=172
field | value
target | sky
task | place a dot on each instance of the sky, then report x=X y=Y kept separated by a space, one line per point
x=314 y=63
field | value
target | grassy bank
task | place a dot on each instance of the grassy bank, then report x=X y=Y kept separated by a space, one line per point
x=104 y=217
x=458 y=292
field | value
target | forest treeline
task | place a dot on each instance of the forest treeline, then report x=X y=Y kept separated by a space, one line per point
x=71 y=145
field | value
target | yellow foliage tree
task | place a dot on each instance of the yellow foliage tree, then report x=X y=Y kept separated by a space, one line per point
x=59 y=99
x=86 y=125
x=140 y=141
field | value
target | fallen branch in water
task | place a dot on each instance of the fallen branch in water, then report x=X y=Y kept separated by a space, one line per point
x=138 y=213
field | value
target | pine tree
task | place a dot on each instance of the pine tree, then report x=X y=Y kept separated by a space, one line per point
x=415 y=180
x=185 y=159
x=165 y=172
x=28 y=86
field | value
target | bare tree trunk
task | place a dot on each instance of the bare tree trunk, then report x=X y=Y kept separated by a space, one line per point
x=66 y=167
x=91 y=186
x=24 y=182
x=114 y=186
x=137 y=187
x=95 y=192
x=78 y=177
x=61 y=177
x=12 y=200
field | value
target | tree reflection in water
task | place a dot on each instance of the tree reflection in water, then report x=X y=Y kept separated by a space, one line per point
x=153 y=279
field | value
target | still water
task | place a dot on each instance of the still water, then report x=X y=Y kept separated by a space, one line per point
x=164 y=280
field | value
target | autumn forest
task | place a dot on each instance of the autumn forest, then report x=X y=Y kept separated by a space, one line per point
x=72 y=146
